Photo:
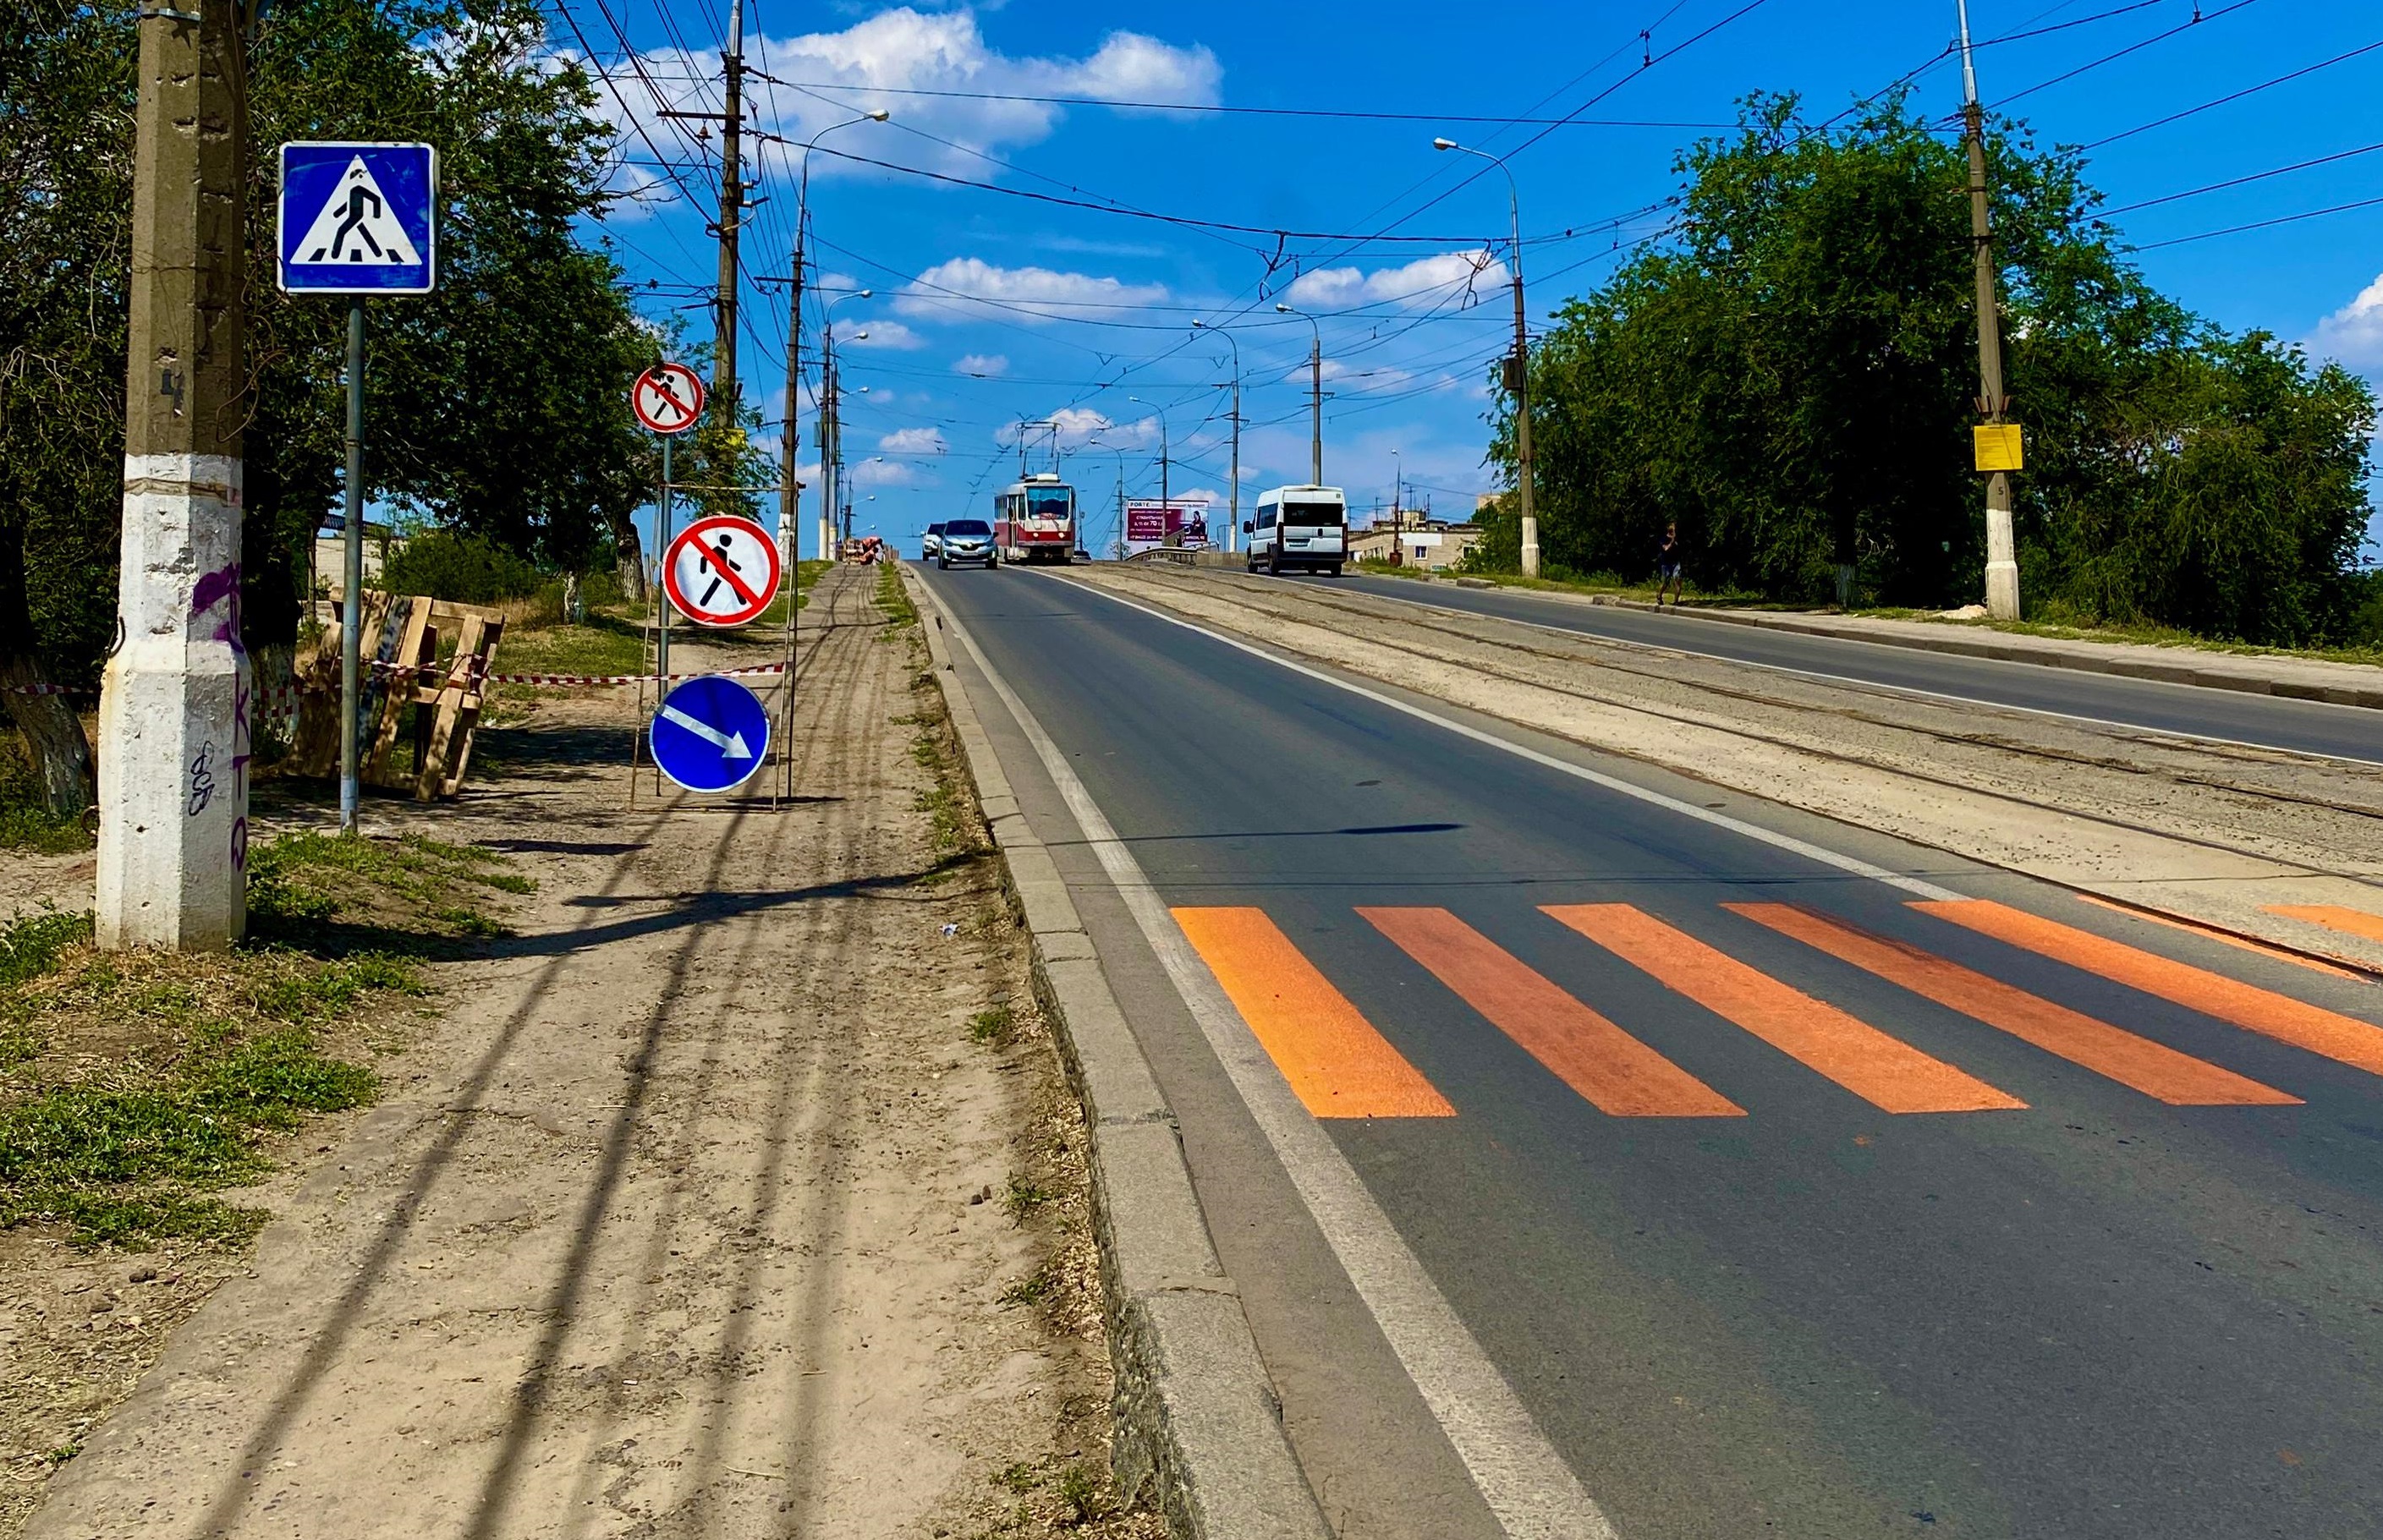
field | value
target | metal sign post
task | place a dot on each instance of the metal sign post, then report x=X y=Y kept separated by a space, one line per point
x=358 y=220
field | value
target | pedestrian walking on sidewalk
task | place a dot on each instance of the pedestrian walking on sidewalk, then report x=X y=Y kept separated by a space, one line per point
x=1667 y=566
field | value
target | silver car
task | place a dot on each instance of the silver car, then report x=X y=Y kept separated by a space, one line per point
x=967 y=540
x=931 y=543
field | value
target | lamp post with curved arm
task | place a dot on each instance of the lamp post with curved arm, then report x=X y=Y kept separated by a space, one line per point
x=1233 y=519
x=1315 y=391
x=831 y=434
x=1165 y=507
x=1518 y=368
x=789 y=493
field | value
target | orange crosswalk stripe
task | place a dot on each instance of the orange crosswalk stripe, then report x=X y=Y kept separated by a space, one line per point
x=2152 y=1068
x=1617 y=1074
x=2333 y=916
x=1333 y=1057
x=2227 y=938
x=1889 y=1074
x=2327 y=1033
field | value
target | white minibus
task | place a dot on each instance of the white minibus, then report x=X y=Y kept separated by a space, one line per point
x=1299 y=526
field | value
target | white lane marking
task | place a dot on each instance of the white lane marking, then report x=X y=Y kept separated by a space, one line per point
x=1525 y=1484
x=1805 y=848
x=731 y=746
x=1950 y=699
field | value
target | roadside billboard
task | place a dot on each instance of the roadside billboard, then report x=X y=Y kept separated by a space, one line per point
x=1152 y=523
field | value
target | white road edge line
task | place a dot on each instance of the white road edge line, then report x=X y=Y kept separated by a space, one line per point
x=1945 y=695
x=1524 y=1481
x=1805 y=848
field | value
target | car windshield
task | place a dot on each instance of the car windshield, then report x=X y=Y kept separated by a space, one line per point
x=1050 y=505
x=935 y=529
x=1312 y=515
x=967 y=526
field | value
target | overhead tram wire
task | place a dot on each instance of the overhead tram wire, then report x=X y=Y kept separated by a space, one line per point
x=2259 y=225
x=2200 y=18
x=2233 y=96
x=1225 y=110
x=2239 y=181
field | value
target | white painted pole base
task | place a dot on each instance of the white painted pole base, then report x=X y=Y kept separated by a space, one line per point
x=2002 y=553
x=1530 y=548
x=174 y=715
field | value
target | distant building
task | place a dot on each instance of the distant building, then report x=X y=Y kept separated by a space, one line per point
x=1434 y=545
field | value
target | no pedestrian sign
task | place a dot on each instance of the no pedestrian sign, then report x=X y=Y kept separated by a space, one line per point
x=720 y=571
x=359 y=218
x=668 y=398
x=710 y=734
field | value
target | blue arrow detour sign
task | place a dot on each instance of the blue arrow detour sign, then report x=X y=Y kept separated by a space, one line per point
x=710 y=734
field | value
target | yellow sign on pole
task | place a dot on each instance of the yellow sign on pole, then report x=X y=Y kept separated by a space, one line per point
x=1998 y=446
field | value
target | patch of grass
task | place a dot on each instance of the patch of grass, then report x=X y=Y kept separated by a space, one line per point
x=25 y=823
x=807 y=576
x=1079 y=1492
x=1025 y=1199
x=1032 y=1290
x=375 y=895
x=994 y=1028
x=135 y=1087
x=894 y=599
x=602 y=645
x=1018 y=1476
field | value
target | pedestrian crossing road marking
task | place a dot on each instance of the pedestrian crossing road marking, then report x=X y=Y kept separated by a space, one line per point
x=1341 y=1066
x=1334 y=1059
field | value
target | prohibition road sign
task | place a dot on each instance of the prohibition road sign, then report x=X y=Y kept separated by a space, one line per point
x=710 y=734
x=720 y=571
x=668 y=398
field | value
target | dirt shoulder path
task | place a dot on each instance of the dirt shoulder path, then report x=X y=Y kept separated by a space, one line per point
x=735 y=1194
x=2221 y=834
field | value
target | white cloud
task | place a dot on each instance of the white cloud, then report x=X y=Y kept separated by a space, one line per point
x=877 y=471
x=881 y=333
x=2355 y=333
x=1454 y=280
x=1379 y=376
x=988 y=365
x=913 y=440
x=903 y=48
x=951 y=289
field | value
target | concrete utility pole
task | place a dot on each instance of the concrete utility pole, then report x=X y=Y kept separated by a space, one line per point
x=2002 y=545
x=1518 y=364
x=789 y=444
x=174 y=704
x=732 y=208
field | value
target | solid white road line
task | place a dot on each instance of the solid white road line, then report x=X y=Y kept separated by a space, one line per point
x=1843 y=862
x=1525 y=1484
x=1581 y=632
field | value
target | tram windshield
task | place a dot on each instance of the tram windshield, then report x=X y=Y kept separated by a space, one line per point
x=1051 y=503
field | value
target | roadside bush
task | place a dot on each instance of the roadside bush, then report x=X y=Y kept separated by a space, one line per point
x=467 y=569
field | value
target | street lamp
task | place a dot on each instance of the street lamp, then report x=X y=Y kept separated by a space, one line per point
x=1316 y=378
x=789 y=495
x=1165 y=507
x=1233 y=520
x=1518 y=368
x=1116 y=541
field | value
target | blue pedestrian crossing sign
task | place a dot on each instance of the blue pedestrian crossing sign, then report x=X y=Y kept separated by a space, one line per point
x=709 y=735
x=359 y=218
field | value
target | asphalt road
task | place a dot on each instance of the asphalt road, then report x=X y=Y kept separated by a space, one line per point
x=2310 y=727
x=1766 y=1229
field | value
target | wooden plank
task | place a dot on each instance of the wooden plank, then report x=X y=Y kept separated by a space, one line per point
x=402 y=648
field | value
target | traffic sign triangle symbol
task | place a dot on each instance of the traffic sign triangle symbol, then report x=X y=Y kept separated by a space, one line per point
x=357 y=227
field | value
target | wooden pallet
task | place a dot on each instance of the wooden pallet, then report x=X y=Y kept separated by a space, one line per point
x=402 y=634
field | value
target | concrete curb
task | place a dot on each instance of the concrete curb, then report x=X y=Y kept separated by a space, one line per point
x=2296 y=678
x=1197 y=1426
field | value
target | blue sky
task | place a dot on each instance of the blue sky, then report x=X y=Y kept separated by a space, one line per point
x=989 y=308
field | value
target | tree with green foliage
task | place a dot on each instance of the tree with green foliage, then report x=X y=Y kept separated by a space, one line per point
x=496 y=406
x=1791 y=377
